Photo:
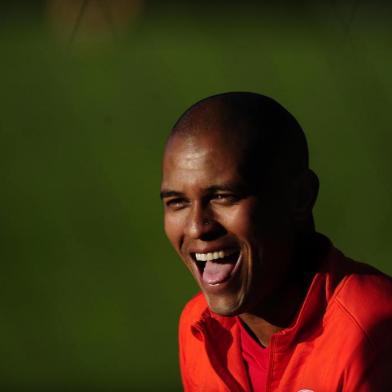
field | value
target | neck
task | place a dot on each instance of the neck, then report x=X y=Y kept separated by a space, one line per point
x=280 y=309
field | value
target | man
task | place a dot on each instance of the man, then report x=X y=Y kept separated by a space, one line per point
x=280 y=308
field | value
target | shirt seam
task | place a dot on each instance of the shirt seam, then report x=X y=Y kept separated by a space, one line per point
x=355 y=322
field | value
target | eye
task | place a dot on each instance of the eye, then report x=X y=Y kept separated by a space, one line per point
x=224 y=198
x=176 y=203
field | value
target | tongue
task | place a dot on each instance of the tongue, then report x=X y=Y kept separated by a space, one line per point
x=217 y=272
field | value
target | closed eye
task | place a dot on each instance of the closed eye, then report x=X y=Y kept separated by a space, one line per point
x=224 y=198
x=176 y=203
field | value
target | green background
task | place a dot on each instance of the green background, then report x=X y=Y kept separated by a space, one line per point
x=90 y=290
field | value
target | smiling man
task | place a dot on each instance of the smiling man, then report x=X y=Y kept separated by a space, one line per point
x=280 y=308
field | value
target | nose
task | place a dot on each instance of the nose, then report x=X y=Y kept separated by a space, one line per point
x=200 y=222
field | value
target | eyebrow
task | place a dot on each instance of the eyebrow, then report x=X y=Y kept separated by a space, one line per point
x=223 y=187
x=211 y=189
x=167 y=193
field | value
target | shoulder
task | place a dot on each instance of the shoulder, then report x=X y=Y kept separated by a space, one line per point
x=365 y=296
x=362 y=304
x=365 y=292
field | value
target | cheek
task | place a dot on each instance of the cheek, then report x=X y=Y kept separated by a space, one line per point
x=173 y=229
x=240 y=221
x=259 y=220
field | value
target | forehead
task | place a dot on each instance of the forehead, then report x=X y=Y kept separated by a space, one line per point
x=210 y=156
x=201 y=146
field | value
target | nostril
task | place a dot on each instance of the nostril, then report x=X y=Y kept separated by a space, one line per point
x=213 y=231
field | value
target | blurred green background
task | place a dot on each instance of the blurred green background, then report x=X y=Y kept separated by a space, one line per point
x=90 y=290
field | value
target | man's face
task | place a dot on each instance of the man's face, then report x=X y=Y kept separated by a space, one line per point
x=232 y=234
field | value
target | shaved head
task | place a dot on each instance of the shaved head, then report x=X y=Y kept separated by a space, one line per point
x=235 y=176
x=266 y=132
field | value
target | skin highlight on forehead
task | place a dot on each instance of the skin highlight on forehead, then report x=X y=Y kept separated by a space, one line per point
x=191 y=157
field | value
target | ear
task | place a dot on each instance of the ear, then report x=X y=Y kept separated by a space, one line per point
x=304 y=194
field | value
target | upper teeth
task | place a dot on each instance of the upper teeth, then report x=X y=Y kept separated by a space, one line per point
x=214 y=255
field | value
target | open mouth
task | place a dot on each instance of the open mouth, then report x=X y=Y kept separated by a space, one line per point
x=216 y=267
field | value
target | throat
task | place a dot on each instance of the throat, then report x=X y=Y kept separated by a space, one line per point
x=277 y=312
x=260 y=329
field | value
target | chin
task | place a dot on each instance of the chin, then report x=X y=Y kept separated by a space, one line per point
x=224 y=306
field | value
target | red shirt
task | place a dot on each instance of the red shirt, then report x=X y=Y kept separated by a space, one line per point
x=256 y=360
x=340 y=340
